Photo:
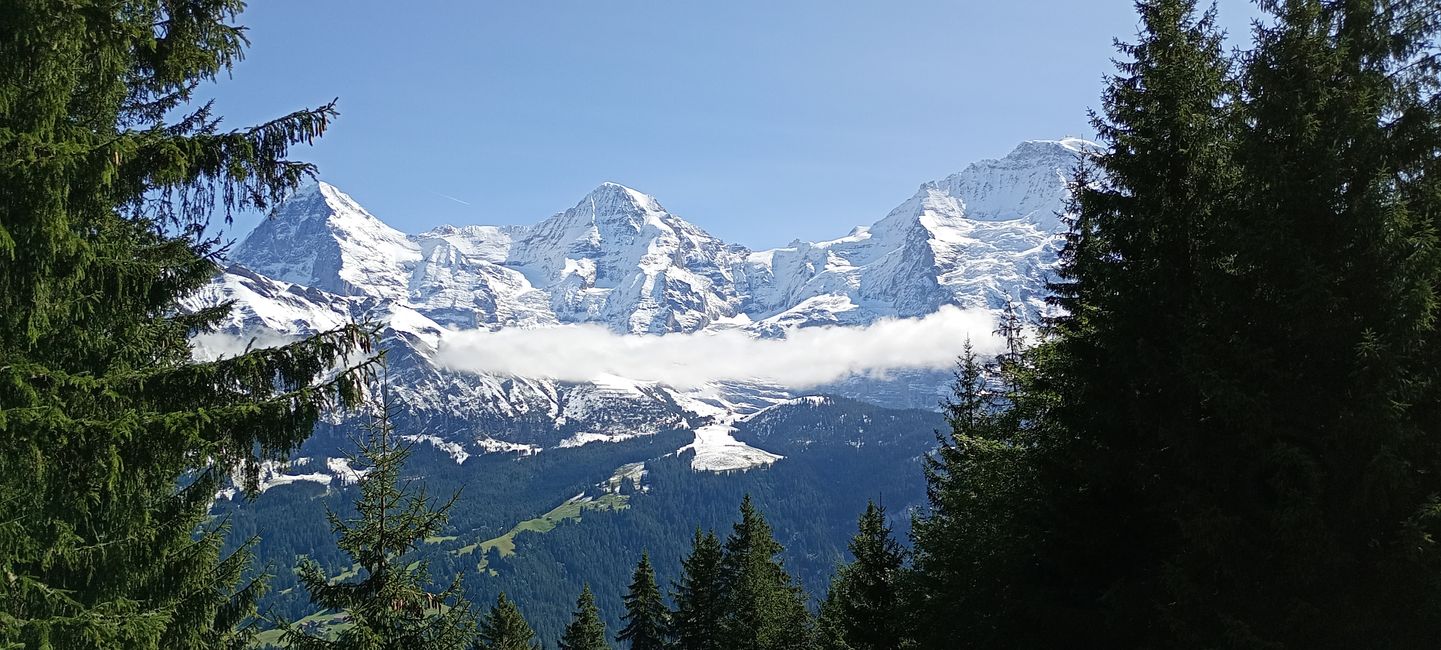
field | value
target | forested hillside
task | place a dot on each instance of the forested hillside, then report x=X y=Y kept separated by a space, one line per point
x=839 y=453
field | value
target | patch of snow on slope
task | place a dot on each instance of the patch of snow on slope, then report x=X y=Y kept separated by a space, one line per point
x=633 y=472
x=342 y=470
x=812 y=400
x=272 y=474
x=586 y=437
x=716 y=450
x=456 y=451
x=491 y=446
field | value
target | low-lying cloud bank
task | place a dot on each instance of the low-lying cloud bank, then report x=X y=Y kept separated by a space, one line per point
x=808 y=357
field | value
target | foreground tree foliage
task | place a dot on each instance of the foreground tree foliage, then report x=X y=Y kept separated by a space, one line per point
x=504 y=628
x=104 y=209
x=647 y=619
x=763 y=608
x=586 y=631
x=1229 y=438
x=388 y=605
x=863 y=609
x=968 y=548
x=699 y=597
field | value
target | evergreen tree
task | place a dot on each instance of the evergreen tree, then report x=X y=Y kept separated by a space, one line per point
x=831 y=632
x=586 y=631
x=864 y=601
x=1113 y=400
x=388 y=605
x=968 y=547
x=1306 y=500
x=700 y=597
x=1011 y=327
x=503 y=628
x=104 y=210
x=1225 y=439
x=764 y=608
x=647 y=619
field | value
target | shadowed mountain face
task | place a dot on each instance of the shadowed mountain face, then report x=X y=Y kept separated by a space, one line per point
x=620 y=260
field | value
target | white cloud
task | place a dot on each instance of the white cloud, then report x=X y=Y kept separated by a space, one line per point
x=808 y=357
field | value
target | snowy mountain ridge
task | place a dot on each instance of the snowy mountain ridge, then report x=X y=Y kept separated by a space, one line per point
x=618 y=258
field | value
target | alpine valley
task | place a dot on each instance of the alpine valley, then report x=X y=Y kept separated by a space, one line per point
x=565 y=482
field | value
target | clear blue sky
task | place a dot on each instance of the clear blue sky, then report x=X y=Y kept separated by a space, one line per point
x=760 y=121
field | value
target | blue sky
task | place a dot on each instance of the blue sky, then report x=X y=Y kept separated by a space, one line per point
x=760 y=121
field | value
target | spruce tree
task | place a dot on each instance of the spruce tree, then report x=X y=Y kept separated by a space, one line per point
x=1052 y=508
x=1317 y=456
x=586 y=631
x=864 y=600
x=115 y=439
x=700 y=597
x=1114 y=394
x=831 y=632
x=504 y=628
x=647 y=619
x=968 y=546
x=764 y=608
x=387 y=605
x=1224 y=440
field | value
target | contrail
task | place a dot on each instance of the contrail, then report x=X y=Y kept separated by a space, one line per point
x=447 y=196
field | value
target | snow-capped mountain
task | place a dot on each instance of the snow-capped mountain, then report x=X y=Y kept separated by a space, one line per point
x=619 y=259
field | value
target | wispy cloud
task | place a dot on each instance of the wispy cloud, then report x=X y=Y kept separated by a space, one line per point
x=808 y=357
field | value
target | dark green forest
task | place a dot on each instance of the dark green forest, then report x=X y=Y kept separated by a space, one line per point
x=811 y=499
x=1225 y=434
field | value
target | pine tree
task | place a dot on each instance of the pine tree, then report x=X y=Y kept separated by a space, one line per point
x=831 y=632
x=864 y=601
x=968 y=547
x=504 y=628
x=1315 y=452
x=647 y=619
x=1011 y=327
x=1050 y=518
x=1113 y=397
x=103 y=412
x=586 y=631
x=764 y=608
x=1223 y=439
x=387 y=606
x=700 y=597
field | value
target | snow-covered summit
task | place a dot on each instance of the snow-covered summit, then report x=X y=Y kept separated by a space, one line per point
x=619 y=258
x=322 y=238
x=974 y=239
x=1030 y=183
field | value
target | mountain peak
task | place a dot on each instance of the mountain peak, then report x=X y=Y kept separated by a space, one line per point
x=618 y=257
x=321 y=237
x=611 y=197
x=1030 y=183
x=1065 y=147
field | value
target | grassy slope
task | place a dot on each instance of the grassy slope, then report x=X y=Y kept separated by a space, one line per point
x=505 y=545
x=570 y=510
